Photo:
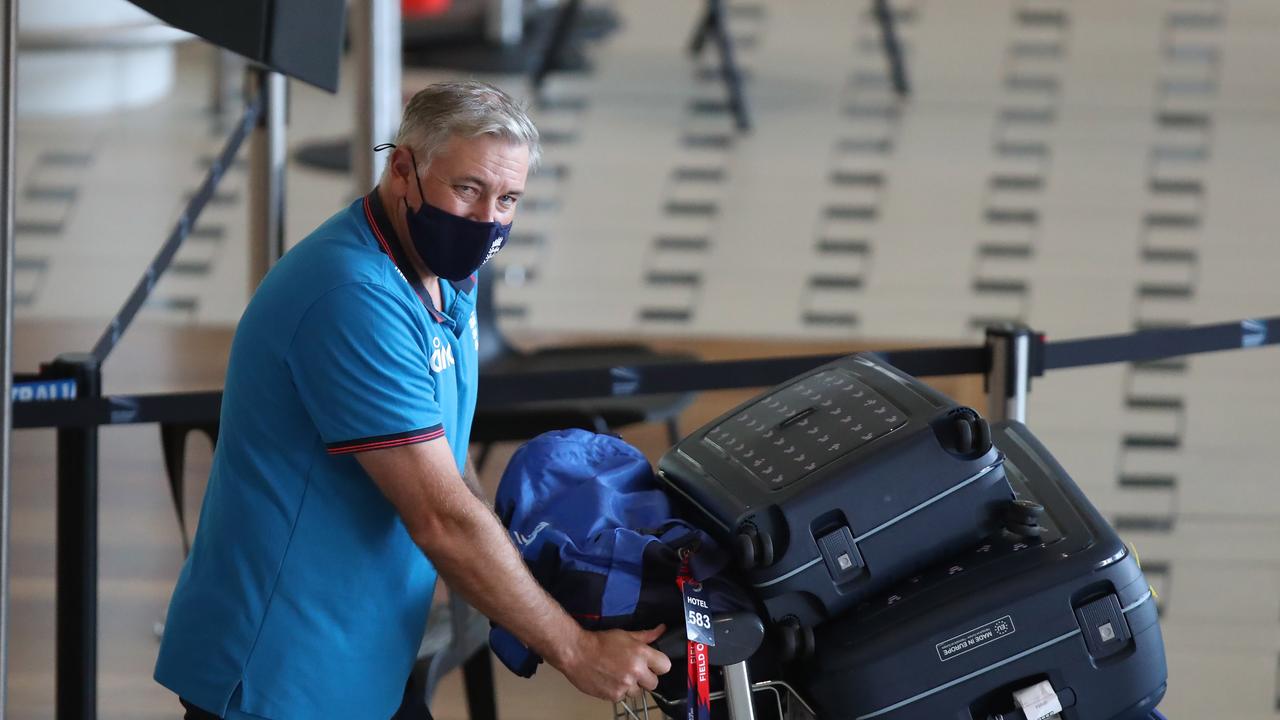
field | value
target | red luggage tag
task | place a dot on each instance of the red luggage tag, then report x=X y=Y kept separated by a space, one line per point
x=700 y=636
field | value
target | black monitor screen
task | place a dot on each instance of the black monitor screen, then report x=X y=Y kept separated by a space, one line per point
x=299 y=38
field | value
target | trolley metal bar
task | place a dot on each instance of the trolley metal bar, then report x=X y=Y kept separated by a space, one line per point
x=737 y=690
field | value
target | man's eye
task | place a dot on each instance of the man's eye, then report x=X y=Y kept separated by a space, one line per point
x=507 y=201
x=466 y=190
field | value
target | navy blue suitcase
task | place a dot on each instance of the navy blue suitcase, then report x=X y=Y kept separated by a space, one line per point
x=1054 y=597
x=837 y=484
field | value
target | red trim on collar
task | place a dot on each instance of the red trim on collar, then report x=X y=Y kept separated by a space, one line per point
x=377 y=231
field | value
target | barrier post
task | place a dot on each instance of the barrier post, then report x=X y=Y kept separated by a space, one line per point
x=8 y=63
x=1009 y=377
x=77 y=555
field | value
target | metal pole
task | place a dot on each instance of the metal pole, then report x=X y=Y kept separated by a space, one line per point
x=1021 y=375
x=376 y=44
x=477 y=678
x=218 y=83
x=76 y=680
x=222 y=88
x=266 y=174
x=737 y=690
x=1008 y=380
x=8 y=75
x=504 y=22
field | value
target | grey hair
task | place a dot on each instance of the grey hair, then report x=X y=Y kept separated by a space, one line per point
x=466 y=108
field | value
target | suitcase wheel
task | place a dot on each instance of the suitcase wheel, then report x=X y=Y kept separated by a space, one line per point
x=984 y=442
x=752 y=548
x=968 y=433
x=795 y=641
x=1028 y=532
x=1026 y=512
x=1023 y=519
x=788 y=642
x=964 y=436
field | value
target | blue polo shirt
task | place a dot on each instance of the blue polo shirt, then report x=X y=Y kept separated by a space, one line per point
x=304 y=596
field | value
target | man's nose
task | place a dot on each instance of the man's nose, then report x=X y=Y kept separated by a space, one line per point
x=484 y=211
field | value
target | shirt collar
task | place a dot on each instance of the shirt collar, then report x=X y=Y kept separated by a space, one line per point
x=388 y=241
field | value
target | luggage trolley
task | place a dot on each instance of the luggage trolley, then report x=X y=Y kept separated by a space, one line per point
x=739 y=636
x=742 y=700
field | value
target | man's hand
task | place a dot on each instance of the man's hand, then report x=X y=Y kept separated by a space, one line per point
x=613 y=664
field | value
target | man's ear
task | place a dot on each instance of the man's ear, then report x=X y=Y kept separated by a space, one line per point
x=402 y=171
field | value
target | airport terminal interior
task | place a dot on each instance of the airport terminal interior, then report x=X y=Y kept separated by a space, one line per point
x=1083 y=167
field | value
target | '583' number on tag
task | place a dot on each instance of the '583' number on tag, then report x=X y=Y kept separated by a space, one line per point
x=697 y=615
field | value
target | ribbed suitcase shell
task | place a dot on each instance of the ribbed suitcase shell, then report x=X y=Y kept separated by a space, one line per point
x=855 y=450
x=956 y=641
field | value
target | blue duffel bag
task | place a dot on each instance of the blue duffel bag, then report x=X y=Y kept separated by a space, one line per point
x=597 y=532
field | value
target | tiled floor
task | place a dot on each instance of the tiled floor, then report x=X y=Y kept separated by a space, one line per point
x=1086 y=166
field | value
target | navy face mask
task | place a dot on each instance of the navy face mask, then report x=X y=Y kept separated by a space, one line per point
x=452 y=247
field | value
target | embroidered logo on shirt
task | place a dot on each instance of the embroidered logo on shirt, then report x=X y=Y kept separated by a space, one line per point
x=441 y=356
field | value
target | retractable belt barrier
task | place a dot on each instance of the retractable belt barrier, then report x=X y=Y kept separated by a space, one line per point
x=61 y=408
x=1162 y=343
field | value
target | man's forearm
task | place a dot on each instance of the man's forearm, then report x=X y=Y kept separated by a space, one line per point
x=470 y=549
x=472 y=479
x=464 y=540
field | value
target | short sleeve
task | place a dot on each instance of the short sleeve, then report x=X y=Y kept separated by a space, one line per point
x=358 y=360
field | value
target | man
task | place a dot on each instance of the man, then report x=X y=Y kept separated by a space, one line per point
x=337 y=489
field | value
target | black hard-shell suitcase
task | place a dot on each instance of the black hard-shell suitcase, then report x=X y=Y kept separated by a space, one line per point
x=839 y=482
x=1063 y=600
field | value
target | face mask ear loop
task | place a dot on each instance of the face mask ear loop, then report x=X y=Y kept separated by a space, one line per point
x=392 y=146
x=417 y=177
